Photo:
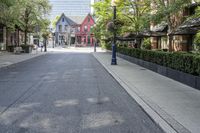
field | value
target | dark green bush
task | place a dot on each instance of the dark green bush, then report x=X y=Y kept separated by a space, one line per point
x=185 y=62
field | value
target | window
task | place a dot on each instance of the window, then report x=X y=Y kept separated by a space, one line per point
x=88 y=19
x=84 y=39
x=66 y=27
x=79 y=29
x=88 y=39
x=63 y=19
x=85 y=28
x=60 y=28
x=1 y=34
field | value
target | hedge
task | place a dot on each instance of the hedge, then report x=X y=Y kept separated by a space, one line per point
x=185 y=62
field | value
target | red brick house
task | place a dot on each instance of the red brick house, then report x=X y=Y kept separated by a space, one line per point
x=83 y=35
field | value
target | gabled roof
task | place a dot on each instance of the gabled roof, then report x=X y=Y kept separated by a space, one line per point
x=77 y=19
x=191 y=23
x=189 y=27
x=145 y=33
x=74 y=20
x=89 y=15
x=162 y=27
x=70 y=21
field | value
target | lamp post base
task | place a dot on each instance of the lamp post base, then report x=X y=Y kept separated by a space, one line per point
x=114 y=62
x=114 y=59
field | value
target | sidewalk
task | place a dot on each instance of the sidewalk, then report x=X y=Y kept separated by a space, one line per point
x=8 y=58
x=174 y=106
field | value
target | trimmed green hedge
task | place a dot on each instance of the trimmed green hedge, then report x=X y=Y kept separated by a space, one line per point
x=185 y=62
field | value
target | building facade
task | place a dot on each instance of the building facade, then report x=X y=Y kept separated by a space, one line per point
x=65 y=30
x=10 y=39
x=84 y=35
x=2 y=37
x=180 y=39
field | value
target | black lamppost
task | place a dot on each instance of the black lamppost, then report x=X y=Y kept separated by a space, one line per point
x=53 y=38
x=94 y=41
x=114 y=59
x=95 y=45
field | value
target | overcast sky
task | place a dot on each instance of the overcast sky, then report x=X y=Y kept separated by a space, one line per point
x=70 y=7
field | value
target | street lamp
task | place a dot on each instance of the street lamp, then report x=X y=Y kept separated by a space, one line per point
x=53 y=39
x=94 y=41
x=114 y=59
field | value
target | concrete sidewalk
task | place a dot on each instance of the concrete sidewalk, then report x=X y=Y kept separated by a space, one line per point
x=174 y=106
x=8 y=58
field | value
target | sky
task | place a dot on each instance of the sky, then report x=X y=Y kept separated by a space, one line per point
x=70 y=7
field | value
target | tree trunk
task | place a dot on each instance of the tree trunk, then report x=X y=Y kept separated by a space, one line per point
x=170 y=37
x=25 y=35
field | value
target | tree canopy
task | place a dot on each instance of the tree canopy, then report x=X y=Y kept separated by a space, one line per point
x=24 y=14
x=137 y=15
x=8 y=14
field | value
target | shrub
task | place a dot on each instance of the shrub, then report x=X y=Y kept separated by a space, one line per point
x=197 y=41
x=185 y=62
x=146 y=44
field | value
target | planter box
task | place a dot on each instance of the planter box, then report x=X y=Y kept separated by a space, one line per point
x=197 y=83
x=10 y=48
x=27 y=49
x=162 y=70
x=185 y=78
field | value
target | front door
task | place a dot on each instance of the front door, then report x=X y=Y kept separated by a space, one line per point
x=88 y=40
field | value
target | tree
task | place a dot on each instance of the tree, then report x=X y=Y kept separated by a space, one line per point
x=103 y=14
x=55 y=21
x=131 y=17
x=8 y=13
x=168 y=11
x=32 y=14
x=136 y=13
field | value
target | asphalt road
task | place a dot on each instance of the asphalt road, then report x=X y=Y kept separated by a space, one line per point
x=67 y=93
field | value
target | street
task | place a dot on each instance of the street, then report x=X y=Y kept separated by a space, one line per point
x=67 y=93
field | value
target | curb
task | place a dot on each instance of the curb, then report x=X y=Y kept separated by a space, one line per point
x=159 y=116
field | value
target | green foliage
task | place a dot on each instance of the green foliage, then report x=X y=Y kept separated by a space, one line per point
x=146 y=43
x=32 y=14
x=55 y=21
x=103 y=15
x=46 y=34
x=197 y=41
x=8 y=13
x=135 y=15
x=185 y=62
x=164 y=9
x=131 y=17
x=106 y=46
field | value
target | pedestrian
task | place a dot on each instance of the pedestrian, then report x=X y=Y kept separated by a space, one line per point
x=41 y=46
